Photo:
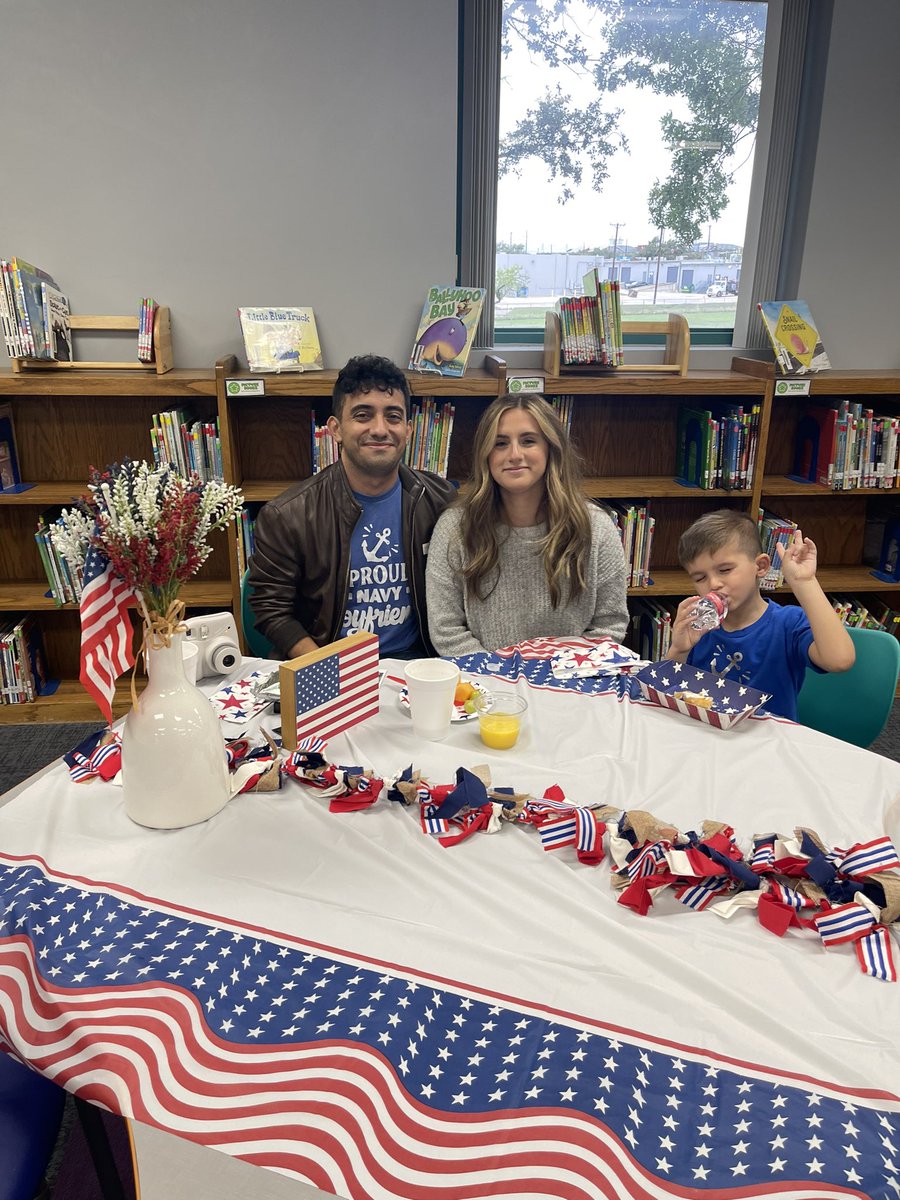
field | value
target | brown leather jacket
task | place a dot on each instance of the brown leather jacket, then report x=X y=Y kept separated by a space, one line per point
x=300 y=567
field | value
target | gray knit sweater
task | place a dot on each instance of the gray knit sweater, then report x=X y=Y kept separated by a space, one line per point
x=519 y=606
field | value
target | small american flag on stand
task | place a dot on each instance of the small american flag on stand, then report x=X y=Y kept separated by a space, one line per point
x=330 y=689
x=106 y=633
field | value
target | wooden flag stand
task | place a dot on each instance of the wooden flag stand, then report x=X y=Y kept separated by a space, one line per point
x=162 y=346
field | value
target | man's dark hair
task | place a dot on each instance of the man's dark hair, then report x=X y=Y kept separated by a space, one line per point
x=368 y=373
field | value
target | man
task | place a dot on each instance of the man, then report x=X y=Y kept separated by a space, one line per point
x=345 y=549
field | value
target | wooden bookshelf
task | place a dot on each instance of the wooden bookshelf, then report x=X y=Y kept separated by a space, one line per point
x=66 y=422
x=624 y=424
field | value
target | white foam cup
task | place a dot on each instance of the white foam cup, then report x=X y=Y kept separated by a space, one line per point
x=431 y=684
x=190 y=652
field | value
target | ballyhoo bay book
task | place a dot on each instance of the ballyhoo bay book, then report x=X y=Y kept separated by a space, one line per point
x=281 y=339
x=795 y=340
x=446 y=330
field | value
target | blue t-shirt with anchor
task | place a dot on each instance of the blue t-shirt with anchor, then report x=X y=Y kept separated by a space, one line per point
x=379 y=599
x=771 y=655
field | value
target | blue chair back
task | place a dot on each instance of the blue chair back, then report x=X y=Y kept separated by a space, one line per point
x=31 y=1109
x=256 y=644
x=854 y=705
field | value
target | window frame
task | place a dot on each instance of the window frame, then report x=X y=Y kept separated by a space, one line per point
x=794 y=64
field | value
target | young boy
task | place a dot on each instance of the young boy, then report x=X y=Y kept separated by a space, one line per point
x=763 y=644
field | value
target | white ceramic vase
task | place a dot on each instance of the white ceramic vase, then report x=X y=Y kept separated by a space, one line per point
x=174 y=770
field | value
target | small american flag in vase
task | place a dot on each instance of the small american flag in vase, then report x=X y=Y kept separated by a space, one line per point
x=330 y=689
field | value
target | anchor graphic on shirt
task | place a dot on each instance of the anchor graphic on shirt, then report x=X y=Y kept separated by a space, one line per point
x=732 y=663
x=372 y=555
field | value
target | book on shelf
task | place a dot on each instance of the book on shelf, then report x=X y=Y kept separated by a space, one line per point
x=796 y=343
x=325 y=448
x=564 y=406
x=57 y=330
x=245 y=542
x=428 y=448
x=29 y=307
x=186 y=445
x=10 y=475
x=636 y=528
x=146 y=314
x=649 y=631
x=64 y=583
x=716 y=446
x=23 y=673
x=446 y=330
x=846 y=446
x=281 y=339
x=773 y=530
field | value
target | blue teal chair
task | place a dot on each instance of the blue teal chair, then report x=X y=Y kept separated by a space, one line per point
x=257 y=645
x=854 y=705
x=31 y=1109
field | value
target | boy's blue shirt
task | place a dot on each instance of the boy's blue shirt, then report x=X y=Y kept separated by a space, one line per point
x=770 y=655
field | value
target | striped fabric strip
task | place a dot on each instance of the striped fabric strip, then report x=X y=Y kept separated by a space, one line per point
x=875 y=955
x=845 y=923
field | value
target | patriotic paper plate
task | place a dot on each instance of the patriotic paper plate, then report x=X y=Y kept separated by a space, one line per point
x=459 y=713
x=713 y=699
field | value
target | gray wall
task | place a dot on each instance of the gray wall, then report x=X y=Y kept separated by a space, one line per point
x=851 y=262
x=217 y=153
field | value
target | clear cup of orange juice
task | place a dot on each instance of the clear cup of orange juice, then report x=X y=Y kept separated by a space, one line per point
x=499 y=725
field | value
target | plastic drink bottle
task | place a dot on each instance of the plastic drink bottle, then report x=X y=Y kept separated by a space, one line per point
x=711 y=611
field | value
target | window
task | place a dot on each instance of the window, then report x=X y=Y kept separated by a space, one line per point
x=658 y=141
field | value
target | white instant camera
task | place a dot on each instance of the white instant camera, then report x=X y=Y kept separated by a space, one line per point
x=216 y=637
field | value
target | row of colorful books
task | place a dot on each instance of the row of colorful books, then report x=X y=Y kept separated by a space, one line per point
x=564 y=406
x=649 y=631
x=428 y=448
x=65 y=585
x=773 y=531
x=34 y=313
x=187 y=445
x=869 y=612
x=324 y=449
x=636 y=528
x=145 y=329
x=716 y=445
x=23 y=674
x=847 y=446
x=591 y=325
x=245 y=543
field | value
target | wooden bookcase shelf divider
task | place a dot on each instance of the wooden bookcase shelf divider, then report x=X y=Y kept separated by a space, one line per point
x=162 y=345
x=624 y=424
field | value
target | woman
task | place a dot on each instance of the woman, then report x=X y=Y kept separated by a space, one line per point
x=521 y=554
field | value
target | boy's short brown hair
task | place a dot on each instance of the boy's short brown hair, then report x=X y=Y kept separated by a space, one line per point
x=716 y=529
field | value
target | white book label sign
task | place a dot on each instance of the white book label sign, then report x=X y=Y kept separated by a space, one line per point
x=792 y=387
x=245 y=387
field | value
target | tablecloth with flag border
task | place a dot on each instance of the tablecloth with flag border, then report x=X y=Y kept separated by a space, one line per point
x=369 y=1079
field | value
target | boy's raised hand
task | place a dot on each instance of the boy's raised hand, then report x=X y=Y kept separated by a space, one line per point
x=798 y=559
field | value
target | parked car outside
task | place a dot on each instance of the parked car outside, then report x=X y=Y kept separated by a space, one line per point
x=716 y=289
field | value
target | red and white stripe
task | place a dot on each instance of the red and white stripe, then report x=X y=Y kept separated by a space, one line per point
x=106 y=636
x=332 y=1114
x=357 y=696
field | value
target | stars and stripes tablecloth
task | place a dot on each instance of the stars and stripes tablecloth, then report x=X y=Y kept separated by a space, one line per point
x=345 y=1001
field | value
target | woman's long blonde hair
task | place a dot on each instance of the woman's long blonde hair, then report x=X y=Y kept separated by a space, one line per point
x=566 y=545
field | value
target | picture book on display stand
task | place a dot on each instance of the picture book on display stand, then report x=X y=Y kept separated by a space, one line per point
x=446 y=330
x=795 y=340
x=281 y=339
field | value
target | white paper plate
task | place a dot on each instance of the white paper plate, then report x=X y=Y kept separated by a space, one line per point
x=459 y=713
